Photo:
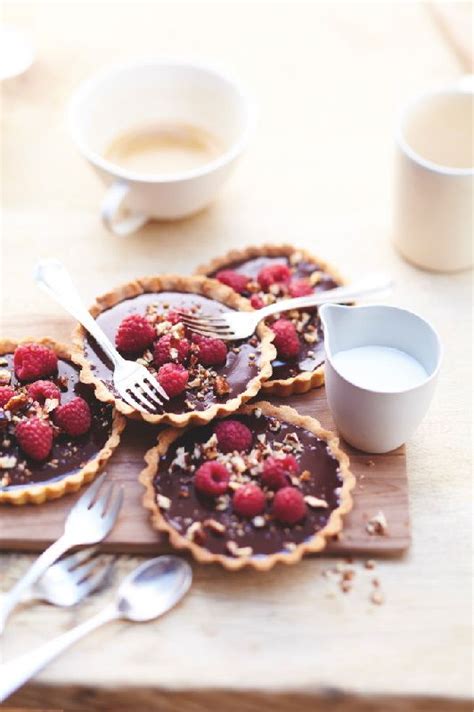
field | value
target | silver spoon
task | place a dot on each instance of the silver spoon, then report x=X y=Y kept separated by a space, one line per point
x=148 y=592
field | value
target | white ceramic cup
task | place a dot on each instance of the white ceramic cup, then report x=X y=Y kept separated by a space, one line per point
x=434 y=185
x=125 y=97
x=378 y=421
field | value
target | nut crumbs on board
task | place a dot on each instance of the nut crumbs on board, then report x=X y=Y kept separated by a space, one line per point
x=377 y=525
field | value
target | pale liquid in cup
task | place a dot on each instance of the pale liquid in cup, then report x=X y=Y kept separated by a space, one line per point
x=441 y=129
x=379 y=368
x=163 y=149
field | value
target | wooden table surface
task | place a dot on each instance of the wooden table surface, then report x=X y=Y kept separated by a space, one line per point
x=328 y=79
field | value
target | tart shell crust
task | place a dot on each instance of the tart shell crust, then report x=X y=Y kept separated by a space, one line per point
x=206 y=287
x=38 y=493
x=305 y=381
x=315 y=544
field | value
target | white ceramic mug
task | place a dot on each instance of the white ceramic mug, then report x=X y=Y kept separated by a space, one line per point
x=128 y=96
x=433 y=221
x=371 y=420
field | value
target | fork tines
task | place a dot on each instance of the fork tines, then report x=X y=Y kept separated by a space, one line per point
x=107 y=505
x=206 y=325
x=145 y=394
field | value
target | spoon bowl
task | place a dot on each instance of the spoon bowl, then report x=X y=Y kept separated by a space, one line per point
x=149 y=591
x=153 y=588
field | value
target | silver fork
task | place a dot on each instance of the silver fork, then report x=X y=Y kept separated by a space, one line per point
x=133 y=382
x=240 y=325
x=71 y=578
x=89 y=521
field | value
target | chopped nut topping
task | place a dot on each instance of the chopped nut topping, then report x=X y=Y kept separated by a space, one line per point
x=238 y=463
x=305 y=476
x=181 y=459
x=315 y=501
x=310 y=338
x=259 y=521
x=210 y=444
x=274 y=425
x=5 y=377
x=215 y=526
x=195 y=383
x=239 y=551
x=292 y=440
x=315 y=278
x=7 y=461
x=195 y=532
x=222 y=503
x=221 y=386
x=163 y=502
x=50 y=404
x=16 y=402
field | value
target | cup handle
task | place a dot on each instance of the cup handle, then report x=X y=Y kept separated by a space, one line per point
x=112 y=204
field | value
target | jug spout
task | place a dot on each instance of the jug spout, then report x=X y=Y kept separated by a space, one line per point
x=334 y=319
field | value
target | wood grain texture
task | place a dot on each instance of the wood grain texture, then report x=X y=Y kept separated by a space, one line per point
x=87 y=700
x=381 y=485
x=328 y=79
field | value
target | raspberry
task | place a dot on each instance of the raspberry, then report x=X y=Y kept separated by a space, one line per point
x=34 y=361
x=249 y=500
x=233 y=435
x=74 y=417
x=174 y=378
x=300 y=288
x=211 y=352
x=289 y=506
x=277 y=470
x=35 y=437
x=5 y=394
x=40 y=390
x=237 y=281
x=135 y=334
x=286 y=339
x=256 y=301
x=212 y=479
x=273 y=274
x=169 y=348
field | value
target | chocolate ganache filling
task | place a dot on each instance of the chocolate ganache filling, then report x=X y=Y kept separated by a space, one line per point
x=68 y=454
x=242 y=362
x=174 y=481
x=311 y=355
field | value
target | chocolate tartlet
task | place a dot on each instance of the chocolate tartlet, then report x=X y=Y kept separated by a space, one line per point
x=262 y=486
x=302 y=274
x=200 y=385
x=68 y=461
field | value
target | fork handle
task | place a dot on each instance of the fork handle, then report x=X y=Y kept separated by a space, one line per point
x=16 y=672
x=53 y=278
x=363 y=288
x=43 y=562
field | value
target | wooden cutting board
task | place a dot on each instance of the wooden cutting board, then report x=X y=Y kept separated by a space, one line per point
x=381 y=485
